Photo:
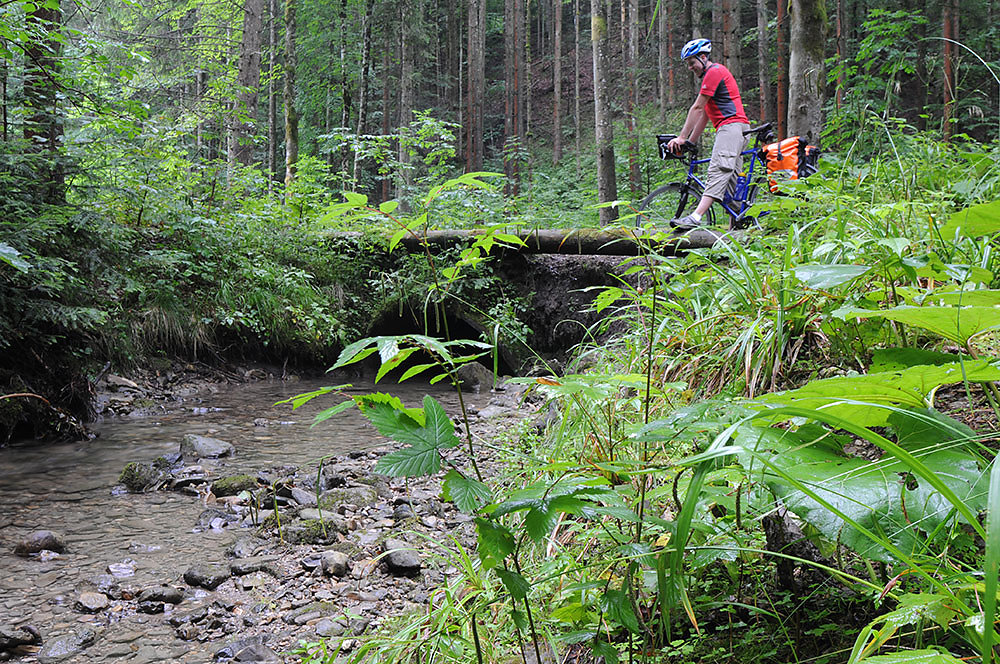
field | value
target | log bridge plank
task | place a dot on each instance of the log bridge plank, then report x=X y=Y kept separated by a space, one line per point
x=575 y=241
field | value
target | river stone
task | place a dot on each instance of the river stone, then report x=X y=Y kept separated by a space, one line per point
x=40 y=540
x=234 y=485
x=207 y=575
x=214 y=518
x=65 y=647
x=328 y=628
x=245 y=546
x=335 y=563
x=234 y=647
x=23 y=635
x=89 y=602
x=303 y=497
x=258 y=653
x=402 y=512
x=244 y=566
x=137 y=476
x=164 y=593
x=359 y=496
x=474 y=376
x=400 y=559
x=203 y=447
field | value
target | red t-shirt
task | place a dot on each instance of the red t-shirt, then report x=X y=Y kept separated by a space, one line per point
x=724 y=104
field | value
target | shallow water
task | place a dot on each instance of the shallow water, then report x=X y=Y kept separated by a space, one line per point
x=68 y=489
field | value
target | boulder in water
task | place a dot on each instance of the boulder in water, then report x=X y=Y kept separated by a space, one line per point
x=203 y=447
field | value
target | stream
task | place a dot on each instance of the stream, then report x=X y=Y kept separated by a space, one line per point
x=69 y=489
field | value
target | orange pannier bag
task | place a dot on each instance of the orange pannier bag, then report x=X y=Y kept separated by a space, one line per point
x=792 y=156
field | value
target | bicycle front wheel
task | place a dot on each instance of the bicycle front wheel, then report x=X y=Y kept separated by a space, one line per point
x=670 y=201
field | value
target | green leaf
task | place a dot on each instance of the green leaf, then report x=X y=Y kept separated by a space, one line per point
x=495 y=542
x=958 y=324
x=974 y=221
x=825 y=277
x=436 y=431
x=862 y=398
x=902 y=497
x=923 y=656
x=965 y=298
x=410 y=462
x=570 y=613
x=388 y=207
x=539 y=522
x=605 y=650
x=11 y=256
x=618 y=607
x=897 y=359
x=327 y=413
x=516 y=585
x=467 y=494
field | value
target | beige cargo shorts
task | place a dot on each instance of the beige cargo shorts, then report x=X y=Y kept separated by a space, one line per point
x=726 y=159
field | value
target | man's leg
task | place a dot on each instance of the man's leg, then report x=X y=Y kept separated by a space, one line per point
x=725 y=163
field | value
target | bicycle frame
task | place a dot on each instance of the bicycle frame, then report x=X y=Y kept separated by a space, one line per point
x=736 y=202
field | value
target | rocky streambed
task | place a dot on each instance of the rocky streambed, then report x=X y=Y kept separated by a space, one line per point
x=231 y=542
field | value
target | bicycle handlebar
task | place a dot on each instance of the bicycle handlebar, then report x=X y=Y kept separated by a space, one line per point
x=663 y=139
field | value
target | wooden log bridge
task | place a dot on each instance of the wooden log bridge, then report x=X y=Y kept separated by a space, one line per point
x=618 y=241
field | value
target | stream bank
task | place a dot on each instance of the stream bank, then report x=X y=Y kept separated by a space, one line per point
x=181 y=574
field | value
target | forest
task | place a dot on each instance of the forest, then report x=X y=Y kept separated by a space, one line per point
x=780 y=448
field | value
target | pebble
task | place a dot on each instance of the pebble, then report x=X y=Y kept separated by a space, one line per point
x=400 y=558
x=207 y=575
x=40 y=540
x=91 y=602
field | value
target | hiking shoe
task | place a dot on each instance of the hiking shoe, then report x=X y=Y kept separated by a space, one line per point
x=685 y=223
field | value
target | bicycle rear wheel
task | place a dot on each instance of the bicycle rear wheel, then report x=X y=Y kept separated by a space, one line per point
x=670 y=201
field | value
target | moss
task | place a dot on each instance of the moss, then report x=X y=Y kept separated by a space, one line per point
x=137 y=476
x=233 y=485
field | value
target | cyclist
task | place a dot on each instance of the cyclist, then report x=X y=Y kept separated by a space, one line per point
x=719 y=101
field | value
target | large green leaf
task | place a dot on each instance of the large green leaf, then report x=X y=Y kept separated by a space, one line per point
x=437 y=431
x=922 y=656
x=413 y=461
x=495 y=542
x=897 y=359
x=958 y=324
x=884 y=497
x=974 y=221
x=618 y=607
x=861 y=398
x=467 y=494
x=516 y=585
x=825 y=277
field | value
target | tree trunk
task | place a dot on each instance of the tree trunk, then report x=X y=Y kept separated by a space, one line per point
x=664 y=66
x=607 y=189
x=386 y=113
x=763 y=79
x=43 y=122
x=632 y=95
x=366 y=57
x=272 y=97
x=3 y=95
x=291 y=115
x=841 y=53
x=556 y=81
x=412 y=17
x=781 y=35
x=576 y=81
x=806 y=74
x=247 y=80
x=513 y=67
x=477 y=85
x=731 y=38
x=949 y=30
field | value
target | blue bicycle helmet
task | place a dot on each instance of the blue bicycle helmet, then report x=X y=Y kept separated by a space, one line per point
x=696 y=47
